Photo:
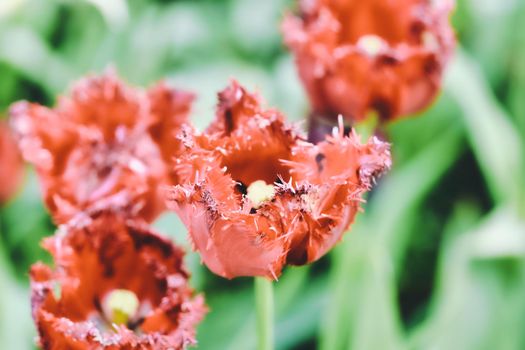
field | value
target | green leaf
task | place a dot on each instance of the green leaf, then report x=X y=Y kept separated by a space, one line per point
x=495 y=141
x=478 y=300
x=397 y=196
x=25 y=50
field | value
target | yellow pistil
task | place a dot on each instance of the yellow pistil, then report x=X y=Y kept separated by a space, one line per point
x=259 y=192
x=371 y=44
x=120 y=306
x=430 y=41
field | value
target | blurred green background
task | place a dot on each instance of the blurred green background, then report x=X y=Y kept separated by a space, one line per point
x=437 y=261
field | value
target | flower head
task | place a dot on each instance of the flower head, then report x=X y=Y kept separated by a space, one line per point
x=103 y=141
x=356 y=57
x=11 y=167
x=116 y=285
x=258 y=196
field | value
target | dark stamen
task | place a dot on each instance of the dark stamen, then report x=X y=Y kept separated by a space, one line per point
x=319 y=160
x=241 y=188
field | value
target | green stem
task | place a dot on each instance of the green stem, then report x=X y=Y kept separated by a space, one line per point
x=264 y=309
x=368 y=127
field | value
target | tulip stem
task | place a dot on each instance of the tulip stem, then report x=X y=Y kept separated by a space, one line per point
x=368 y=127
x=265 y=313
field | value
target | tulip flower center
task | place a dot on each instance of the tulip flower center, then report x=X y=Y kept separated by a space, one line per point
x=120 y=306
x=259 y=192
x=371 y=44
x=258 y=163
x=390 y=20
x=430 y=41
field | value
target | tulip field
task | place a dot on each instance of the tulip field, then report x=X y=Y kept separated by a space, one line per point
x=280 y=174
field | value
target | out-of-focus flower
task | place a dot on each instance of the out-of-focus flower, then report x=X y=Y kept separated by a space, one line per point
x=116 y=285
x=356 y=57
x=259 y=196
x=11 y=167
x=104 y=140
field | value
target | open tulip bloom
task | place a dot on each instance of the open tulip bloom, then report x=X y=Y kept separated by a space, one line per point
x=116 y=285
x=258 y=196
x=103 y=142
x=356 y=57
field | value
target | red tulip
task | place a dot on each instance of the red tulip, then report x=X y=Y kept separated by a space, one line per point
x=11 y=167
x=102 y=142
x=116 y=285
x=356 y=57
x=258 y=196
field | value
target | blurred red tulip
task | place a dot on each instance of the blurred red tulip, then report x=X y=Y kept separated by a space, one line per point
x=104 y=140
x=11 y=167
x=356 y=57
x=259 y=196
x=116 y=285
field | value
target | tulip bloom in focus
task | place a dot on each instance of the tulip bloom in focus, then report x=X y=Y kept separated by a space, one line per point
x=356 y=57
x=259 y=196
x=104 y=141
x=11 y=167
x=116 y=285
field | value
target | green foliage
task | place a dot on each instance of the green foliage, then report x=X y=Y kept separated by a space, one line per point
x=437 y=261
